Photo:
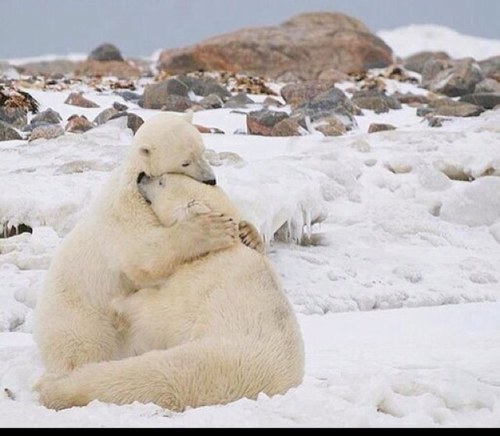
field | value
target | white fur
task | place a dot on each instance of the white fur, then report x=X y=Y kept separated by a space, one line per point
x=119 y=246
x=219 y=329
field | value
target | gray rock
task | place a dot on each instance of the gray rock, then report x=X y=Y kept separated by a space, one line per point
x=211 y=101
x=262 y=122
x=491 y=67
x=431 y=69
x=133 y=121
x=156 y=95
x=484 y=100
x=61 y=67
x=376 y=101
x=105 y=116
x=240 y=100
x=459 y=80
x=16 y=117
x=331 y=103
x=106 y=52
x=424 y=111
x=177 y=103
x=7 y=133
x=120 y=107
x=204 y=86
x=417 y=61
x=450 y=108
x=129 y=96
x=487 y=85
x=47 y=131
x=48 y=116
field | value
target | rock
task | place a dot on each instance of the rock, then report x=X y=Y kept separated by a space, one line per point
x=298 y=93
x=240 y=100
x=331 y=126
x=431 y=69
x=105 y=116
x=8 y=71
x=287 y=127
x=491 y=67
x=8 y=231
x=211 y=101
x=77 y=99
x=333 y=75
x=331 y=103
x=451 y=108
x=376 y=101
x=61 y=67
x=262 y=122
x=48 y=116
x=176 y=103
x=129 y=96
x=459 y=80
x=16 y=117
x=411 y=99
x=47 y=131
x=78 y=124
x=133 y=121
x=269 y=101
x=155 y=95
x=121 y=70
x=119 y=107
x=487 y=85
x=105 y=52
x=417 y=61
x=203 y=129
x=12 y=97
x=436 y=121
x=484 y=100
x=204 y=86
x=424 y=111
x=376 y=127
x=7 y=133
x=305 y=46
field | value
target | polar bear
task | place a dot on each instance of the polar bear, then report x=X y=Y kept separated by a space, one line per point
x=120 y=246
x=218 y=329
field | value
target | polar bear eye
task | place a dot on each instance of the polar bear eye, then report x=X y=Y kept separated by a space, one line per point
x=186 y=163
x=145 y=151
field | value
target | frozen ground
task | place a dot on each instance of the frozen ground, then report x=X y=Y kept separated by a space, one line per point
x=403 y=231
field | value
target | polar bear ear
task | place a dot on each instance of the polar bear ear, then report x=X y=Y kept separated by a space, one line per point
x=188 y=116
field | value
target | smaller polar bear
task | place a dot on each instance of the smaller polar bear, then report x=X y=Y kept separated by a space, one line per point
x=120 y=246
x=219 y=329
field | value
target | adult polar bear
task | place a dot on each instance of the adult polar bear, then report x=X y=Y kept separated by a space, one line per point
x=119 y=246
x=219 y=329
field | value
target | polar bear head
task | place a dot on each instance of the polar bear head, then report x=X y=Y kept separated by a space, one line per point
x=169 y=143
x=174 y=197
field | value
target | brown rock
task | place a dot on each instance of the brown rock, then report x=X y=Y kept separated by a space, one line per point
x=376 y=127
x=287 y=127
x=417 y=61
x=459 y=80
x=331 y=127
x=270 y=101
x=306 y=45
x=297 y=93
x=77 y=99
x=122 y=70
x=133 y=121
x=78 y=124
x=48 y=68
x=488 y=85
x=333 y=75
x=16 y=117
x=204 y=129
x=262 y=122
x=411 y=99
x=176 y=103
x=450 y=108
x=484 y=100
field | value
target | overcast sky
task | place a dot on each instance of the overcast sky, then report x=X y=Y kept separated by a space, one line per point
x=140 y=27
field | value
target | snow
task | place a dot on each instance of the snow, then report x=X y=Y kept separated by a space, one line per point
x=405 y=227
x=408 y=40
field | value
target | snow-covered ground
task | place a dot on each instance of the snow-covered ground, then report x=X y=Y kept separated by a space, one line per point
x=399 y=234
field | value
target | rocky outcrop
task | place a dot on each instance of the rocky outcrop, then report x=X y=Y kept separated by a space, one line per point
x=305 y=46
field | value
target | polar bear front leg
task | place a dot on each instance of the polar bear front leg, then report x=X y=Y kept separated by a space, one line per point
x=148 y=256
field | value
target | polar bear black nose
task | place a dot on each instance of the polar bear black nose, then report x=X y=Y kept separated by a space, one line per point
x=211 y=182
x=140 y=177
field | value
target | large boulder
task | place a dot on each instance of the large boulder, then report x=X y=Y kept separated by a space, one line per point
x=305 y=46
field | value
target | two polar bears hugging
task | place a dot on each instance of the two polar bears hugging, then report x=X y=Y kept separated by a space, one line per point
x=153 y=296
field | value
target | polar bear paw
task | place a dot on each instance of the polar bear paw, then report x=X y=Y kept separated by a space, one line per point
x=249 y=235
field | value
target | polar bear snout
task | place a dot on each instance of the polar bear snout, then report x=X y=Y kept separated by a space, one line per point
x=211 y=182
